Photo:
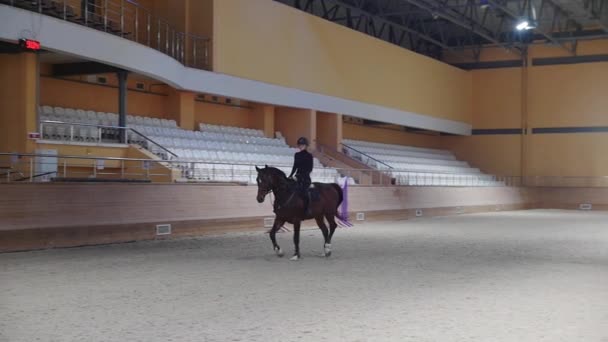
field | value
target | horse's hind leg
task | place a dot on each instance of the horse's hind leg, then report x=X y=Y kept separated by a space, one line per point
x=331 y=218
x=296 y=241
x=273 y=236
x=323 y=227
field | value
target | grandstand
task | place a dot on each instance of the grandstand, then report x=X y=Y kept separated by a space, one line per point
x=418 y=166
x=468 y=139
x=215 y=153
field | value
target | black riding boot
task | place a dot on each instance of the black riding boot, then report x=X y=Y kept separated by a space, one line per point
x=306 y=200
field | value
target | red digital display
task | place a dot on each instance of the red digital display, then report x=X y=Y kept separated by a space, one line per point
x=31 y=45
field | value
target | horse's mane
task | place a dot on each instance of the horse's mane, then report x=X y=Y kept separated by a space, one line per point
x=279 y=173
x=276 y=171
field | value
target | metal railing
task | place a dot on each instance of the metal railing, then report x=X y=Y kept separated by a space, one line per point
x=32 y=167
x=92 y=133
x=96 y=168
x=364 y=158
x=129 y=20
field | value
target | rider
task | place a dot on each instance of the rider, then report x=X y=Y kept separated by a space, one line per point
x=302 y=167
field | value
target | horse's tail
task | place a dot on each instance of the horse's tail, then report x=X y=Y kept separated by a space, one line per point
x=340 y=194
x=342 y=217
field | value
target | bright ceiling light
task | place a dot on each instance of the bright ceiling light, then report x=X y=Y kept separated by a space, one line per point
x=522 y=25
x=531 y=26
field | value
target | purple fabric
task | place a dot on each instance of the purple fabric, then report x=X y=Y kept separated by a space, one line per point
x=343 y=215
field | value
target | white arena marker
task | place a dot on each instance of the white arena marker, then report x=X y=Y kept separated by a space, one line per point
x=268 y=222
x=418 y=212
x=163 y=229
x=585 y=206
x=360 y=216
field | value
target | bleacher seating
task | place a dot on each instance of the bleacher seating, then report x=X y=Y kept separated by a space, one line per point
x=418 y=166
x=223 y=152
x=215 y=153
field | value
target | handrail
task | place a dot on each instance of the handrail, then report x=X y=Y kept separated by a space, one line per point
x=35 y=176
x=54 y=122
x=191 y=161
x=366 y=155
x=129 y=20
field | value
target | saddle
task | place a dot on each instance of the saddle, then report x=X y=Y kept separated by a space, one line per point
x=313 y=193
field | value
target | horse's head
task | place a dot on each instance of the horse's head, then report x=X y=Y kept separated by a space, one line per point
x=266 y=182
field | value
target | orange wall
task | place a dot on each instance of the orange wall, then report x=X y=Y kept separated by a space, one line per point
x=268 y=41
x=294 y=123
x=18 y=92
x=389 y=136
x=330 y=129
x=86 y=151
x=215 y=114
x=80 y=95
x=263 y=118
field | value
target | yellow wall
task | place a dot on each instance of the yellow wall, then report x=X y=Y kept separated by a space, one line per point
x=389 y=136
x=554 y=96
x=81 y=95
x=493 y=154
x=563 y=96
x=497 y=98
x=497 y=104
x=568 y=95
x=268 y=41
x=567 y=155
x=18 y=98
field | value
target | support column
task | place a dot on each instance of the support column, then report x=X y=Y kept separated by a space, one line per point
x=294 y=123
x=181 y=108
x=122 y=103
x=18 y=101
x=263 y=118
x=524 y=117
x=329 y=129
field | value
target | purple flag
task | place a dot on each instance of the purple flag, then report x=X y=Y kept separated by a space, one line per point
x=343 y=215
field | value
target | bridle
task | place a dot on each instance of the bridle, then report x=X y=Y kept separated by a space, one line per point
x=268 y=191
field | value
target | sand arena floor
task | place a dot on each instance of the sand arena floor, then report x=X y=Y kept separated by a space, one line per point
x=511 y=276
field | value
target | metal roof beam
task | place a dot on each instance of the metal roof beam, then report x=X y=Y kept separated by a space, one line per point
x=598 y=11
x=561 y=22
x=356 y=17
x=440 y=11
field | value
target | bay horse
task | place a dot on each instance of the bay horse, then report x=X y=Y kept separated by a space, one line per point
x=289 y=207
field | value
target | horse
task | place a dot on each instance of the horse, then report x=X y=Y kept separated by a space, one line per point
x=289 y=207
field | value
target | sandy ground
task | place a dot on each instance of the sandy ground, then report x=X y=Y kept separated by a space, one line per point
x=512 y=276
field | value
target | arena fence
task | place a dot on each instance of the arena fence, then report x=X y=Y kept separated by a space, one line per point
x=36 y=167
x=129 y=20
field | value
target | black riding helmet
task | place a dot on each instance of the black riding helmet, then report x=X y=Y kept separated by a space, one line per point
x=303 y=141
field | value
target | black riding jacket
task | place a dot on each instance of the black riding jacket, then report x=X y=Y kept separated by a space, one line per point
x=302 y=164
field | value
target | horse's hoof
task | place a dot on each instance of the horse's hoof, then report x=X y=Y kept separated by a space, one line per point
x=295 y=258
x=327 y=250
x=279 y=252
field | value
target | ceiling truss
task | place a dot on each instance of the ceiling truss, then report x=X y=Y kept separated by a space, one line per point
x=434 y=27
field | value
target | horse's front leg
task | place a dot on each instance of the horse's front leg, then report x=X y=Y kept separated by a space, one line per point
x=278 y=223
x=296 y=241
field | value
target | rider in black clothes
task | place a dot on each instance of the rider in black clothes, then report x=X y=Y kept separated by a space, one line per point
x=302 y=167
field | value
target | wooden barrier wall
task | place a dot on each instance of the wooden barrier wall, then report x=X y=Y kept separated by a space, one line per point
x=34 y=216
